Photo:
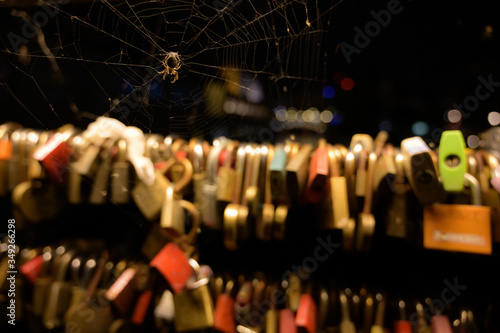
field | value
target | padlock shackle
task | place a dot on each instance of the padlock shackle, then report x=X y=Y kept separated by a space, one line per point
x=187 y=175
x=475 y=189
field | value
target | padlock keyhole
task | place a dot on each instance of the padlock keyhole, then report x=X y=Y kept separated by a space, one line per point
x=452 y=161
x=425 y=176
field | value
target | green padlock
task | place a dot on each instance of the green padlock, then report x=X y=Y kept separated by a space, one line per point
x=452 y=162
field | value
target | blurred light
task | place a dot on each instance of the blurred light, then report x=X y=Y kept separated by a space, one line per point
x=338 y=77
x=229 y=107
x=276 y=126
x=308 y=116
x=278 y=108
x=300 y=116
x=385 y=126
x=488 y=32
x=473 y=141
x=328 y=92
x=255 y=93
x=494 y=118
x=316 y=116
x=291 y=115
x=454 y=116
x=347 y=84
x=420 y=128
x=281 y=114
x=326 y=116
x=337 y=119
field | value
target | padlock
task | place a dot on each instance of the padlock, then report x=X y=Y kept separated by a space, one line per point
x=230 y=221
x=318 y=173
x=366 y=220
x=350 y=176
x=346 y=324
x=296 y=172
x=194 y=306
x=99 y=192
x=385 y=166
x=452 y=161
x=59 y=293
x=150 y=198
x=155 y=241
x=75 y=188
x=397 y=219
x=208 y=210
x=172 y=215
x=265 y=216
x=84 y=276
x=450 y=227
x=306 y=313
x=6 y=154
x=122 y=291
x=368 y=314
x=421 y=170
x=278 y=173
x=91 y=148
x=173 y=264
x=441 y=324
x=199 y=174
x=120 y=176
x=55 y=154
x=378 y=326
x=224 y=310
x=42 y=283
x=402 y=325
x=272 y=312
x=243 y=303
x=363 y=141
x=323 y=309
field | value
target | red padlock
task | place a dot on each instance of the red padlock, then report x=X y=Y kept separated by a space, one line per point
x=32 y=268
x=224 y=311
x=55 y=156
x=141 y=307
x=306 y=313
x=287 y=321
x=173 y=264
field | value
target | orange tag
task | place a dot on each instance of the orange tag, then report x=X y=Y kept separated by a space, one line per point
x=5 y=149
x=462 y=228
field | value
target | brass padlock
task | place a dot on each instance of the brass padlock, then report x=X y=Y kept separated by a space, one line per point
x=59 y=294
x=120 y=176
x=194 y=309
x=172 y=215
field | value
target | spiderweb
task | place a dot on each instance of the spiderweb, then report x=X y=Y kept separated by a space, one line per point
x=86 y=59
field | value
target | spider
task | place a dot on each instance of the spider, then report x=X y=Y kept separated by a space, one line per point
x=172 y=63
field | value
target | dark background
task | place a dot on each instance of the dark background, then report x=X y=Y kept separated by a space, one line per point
x=427 y=59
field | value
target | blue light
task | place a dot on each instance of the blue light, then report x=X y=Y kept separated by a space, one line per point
x=420 y=128
x=337 y=119
x=328 y=92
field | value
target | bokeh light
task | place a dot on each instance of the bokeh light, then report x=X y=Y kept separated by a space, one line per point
x=494 y=118
x=347 y=84
x=420 y=128
x=473 y=141
x=328 y=92
x=454 y=116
